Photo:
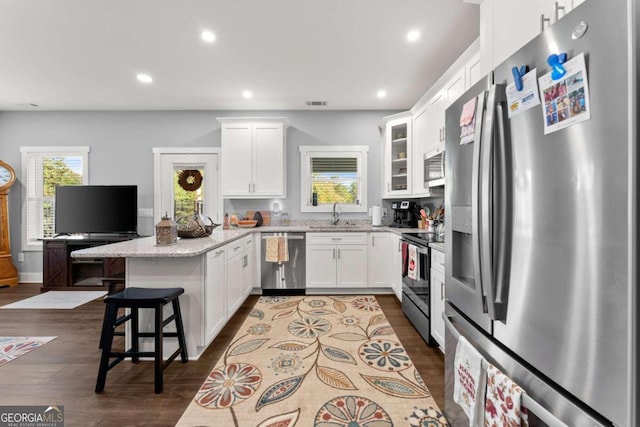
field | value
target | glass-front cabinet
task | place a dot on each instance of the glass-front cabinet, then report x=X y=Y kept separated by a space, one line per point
x=396 y=135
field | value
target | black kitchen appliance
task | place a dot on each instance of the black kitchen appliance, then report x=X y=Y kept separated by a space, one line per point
x=404 y=214
x=416 y=291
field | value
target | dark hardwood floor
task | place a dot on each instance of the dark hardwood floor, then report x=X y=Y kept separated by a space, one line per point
x=63 y=372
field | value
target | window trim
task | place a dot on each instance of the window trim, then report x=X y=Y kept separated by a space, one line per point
x=308 y=151
x=26 y=152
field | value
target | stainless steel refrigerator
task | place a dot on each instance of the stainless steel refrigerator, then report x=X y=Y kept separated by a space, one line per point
x=541 y=247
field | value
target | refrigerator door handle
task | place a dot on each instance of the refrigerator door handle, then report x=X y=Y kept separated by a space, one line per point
x=501 y=241
x=476 y=240
x=540 y=411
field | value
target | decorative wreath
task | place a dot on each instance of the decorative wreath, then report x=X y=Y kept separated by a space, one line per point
x=190 y=179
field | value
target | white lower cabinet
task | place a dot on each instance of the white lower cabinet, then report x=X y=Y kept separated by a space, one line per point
x=396 y=265
x=437 y=296
x=239 y=277
x=215 y=315
x=380 y=252
x=336 y=260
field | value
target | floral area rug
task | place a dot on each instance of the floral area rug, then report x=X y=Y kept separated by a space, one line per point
x=324 y=361
x=13 y=347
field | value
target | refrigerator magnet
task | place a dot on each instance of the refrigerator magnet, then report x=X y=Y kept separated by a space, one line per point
x=522 y=100
x=565 y=101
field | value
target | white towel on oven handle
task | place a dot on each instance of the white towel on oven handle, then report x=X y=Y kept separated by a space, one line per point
x=414 y=263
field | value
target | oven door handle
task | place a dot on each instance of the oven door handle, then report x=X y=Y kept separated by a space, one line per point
x=424 y=250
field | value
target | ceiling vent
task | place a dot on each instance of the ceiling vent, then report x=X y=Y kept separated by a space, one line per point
x=317 y=103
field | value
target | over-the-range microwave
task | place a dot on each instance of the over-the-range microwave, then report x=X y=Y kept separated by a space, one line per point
x=434 y=168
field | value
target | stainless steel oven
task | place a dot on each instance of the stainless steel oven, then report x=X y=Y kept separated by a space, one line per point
x=416 y=292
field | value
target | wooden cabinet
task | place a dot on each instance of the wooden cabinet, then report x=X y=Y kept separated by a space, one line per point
x=437 y=296
x=62 y=271
x=507 y=25
x=253 y=157
x=397 y=155
x=380 y=252
x=215 y=313
x=336 y=260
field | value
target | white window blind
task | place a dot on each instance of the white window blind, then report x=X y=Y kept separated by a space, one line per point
x=43 y=169
x=333 y=174
x=335 y=179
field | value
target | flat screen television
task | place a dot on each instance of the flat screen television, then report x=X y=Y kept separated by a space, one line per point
x=103 y=209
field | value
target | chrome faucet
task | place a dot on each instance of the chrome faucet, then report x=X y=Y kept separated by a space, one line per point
x=336 y=214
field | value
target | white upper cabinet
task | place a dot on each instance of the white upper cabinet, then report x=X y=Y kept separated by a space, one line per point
x=397 y=155
x=507 y=25
x=429 y=113
x=253 y=157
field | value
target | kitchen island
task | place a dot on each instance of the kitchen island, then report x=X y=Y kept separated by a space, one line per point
x=217 y=272
x=199 y=266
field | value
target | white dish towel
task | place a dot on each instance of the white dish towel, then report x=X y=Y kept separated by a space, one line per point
x=469 y=383
x=413 y=268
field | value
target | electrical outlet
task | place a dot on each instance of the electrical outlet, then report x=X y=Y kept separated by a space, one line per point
x=20 y=256
x=145 y=213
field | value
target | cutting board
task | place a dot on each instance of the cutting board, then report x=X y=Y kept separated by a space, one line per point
x=266 y=216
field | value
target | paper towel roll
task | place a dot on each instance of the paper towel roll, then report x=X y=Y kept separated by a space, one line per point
x=376 y=216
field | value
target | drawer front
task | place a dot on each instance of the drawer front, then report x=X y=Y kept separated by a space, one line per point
x=437 y=260
x=235 y=248
x=351 y=238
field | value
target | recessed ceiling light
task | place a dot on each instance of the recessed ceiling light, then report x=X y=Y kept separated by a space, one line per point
x=413 y=35
x=144 y=78
x=208 y=36
x=382 y=93
x=247 y=94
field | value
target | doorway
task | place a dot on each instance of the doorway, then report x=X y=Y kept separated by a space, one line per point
x=185 y=178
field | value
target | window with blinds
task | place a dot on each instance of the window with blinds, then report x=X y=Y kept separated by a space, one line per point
x=44 y=168
x=335 y=179
x=333 y=174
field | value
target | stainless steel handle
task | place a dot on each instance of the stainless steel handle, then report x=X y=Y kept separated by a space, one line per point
x=475 y=199
x=388 y=186
x=338 y=253
x=336 y=238
x=557 y=8
x=373 y=240
x=442 y=290
x=249 y=241
x=334 y=253
x=288 y=237
x=542 y=21
x=486 y=197
x=217 y=253
x=399 y=245
x=249 y=187
x=444 y=153
x=235 y=248
x=501 y=239
x=541 y=412
x=254 y=187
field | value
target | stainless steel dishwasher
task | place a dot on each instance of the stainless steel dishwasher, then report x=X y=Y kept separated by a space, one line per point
x=286 y=278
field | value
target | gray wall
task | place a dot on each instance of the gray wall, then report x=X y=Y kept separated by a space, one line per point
x=121 y=143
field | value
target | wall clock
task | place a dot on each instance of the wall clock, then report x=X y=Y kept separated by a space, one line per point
x=8 y=272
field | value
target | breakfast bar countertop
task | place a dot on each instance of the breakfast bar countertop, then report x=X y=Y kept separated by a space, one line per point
x=145 y=247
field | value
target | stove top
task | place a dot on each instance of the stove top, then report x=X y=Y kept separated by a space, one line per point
x=422 y=238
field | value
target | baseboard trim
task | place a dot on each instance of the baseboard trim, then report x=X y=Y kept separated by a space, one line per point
x=30 y=277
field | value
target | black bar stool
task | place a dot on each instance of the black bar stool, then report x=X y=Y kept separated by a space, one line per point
x=134 y=299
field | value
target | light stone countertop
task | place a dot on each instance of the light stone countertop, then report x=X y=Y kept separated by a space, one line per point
x=145 y=247
x=439 y=246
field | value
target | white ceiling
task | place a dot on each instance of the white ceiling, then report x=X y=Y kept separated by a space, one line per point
x=85 y=54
